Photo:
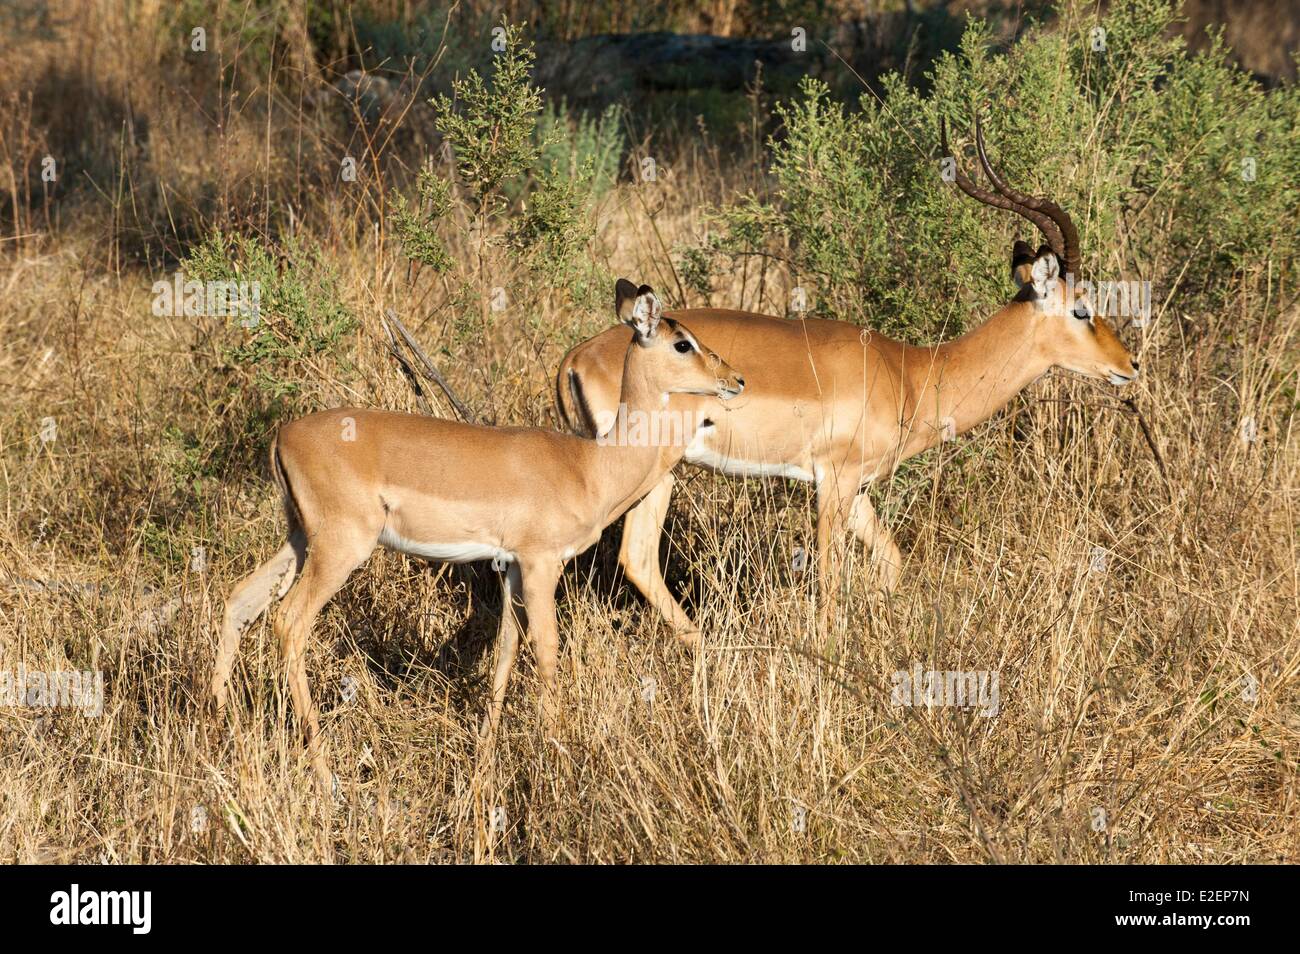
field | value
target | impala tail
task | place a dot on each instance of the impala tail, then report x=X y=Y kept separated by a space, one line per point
x=291 y=512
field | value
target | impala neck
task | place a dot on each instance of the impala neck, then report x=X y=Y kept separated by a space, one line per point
x=648 y=438
x=953 y=386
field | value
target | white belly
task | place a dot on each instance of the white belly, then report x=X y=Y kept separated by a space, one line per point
x=701 y=455
x=461 y=552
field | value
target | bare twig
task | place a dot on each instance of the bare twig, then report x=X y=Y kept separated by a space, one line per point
x=407 y=371
x=428 y=369
x=1151 y=441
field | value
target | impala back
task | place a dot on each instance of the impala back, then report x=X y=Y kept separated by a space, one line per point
x=773 y=429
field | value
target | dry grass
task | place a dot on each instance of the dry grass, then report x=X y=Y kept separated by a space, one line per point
x=1121 y=686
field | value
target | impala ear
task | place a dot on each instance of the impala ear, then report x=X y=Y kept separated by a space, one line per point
x=638 y=307
x=1045 y=272
x=1022 y=263
x=624 y=293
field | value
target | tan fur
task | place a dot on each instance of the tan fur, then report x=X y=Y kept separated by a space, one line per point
x=844 y=405
x=354 y=476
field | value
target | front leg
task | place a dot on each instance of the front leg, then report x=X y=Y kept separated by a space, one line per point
x=884 y=561
x=835 y=496
x=540 y=577
x=639 y=557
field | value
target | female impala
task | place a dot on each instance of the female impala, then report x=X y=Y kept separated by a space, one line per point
x=526 y=498
x=838 y=406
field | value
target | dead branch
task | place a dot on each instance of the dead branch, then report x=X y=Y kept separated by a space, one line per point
x=427 y=368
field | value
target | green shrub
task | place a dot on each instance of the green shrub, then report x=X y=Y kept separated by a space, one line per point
x=416 y=226
x=300 y=317
x=1145 y=145
x=555 y=226
x=525 y=181
x=490 y=126
x=582 y=147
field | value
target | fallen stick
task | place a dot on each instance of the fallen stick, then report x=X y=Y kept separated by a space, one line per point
x=408 y=372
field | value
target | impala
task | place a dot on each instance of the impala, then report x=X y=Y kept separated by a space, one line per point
x=528 y=499
x=838 y=406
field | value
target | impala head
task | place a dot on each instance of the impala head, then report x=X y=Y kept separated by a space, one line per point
x=1076 y=339
x=672 y=360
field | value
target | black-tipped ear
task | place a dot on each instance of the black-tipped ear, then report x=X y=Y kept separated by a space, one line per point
x=1022 y=262
x=638 y=307
x=624 y=295
x=1043 y=249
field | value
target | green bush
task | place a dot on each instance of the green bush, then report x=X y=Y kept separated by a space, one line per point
x=1150 y=149
x=416 y=225
x=525 y=181
x=582 y=147
x=300 y=316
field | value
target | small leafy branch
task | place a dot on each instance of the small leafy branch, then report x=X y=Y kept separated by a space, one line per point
x=521 y=177
x=491 y=127
x=416 y=226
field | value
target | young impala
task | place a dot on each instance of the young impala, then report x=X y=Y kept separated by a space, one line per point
x=526 y=498
x=838 y=406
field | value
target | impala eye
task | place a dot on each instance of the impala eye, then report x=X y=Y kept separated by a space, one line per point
x=683 y=347
x=1082 y=311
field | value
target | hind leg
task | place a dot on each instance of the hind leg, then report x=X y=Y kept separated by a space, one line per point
x=507 y=645
x=247 y=601
x=334 y=554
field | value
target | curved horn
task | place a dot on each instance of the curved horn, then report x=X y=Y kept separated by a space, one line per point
x=964 y=183
x=1045 y=224
x=1061 y=233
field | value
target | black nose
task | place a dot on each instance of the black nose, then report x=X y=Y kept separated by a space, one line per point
x=1134 y=363
x=740 y=381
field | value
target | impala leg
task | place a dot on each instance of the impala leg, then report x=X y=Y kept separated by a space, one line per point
x=247 y=601
x=540 y=578
x=639 y=557
x=330 y=562
x=507 y=645
x=834 y=500
x=884 y=561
